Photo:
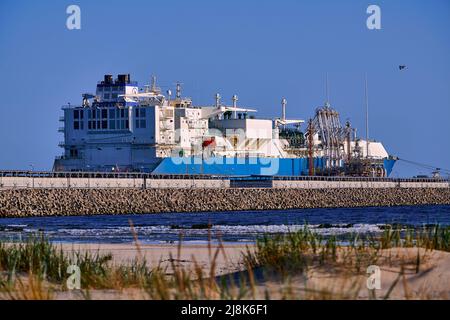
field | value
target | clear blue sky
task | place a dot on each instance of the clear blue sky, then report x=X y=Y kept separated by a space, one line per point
x=260 y=50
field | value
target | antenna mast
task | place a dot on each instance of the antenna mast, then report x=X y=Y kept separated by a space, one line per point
x=283 y=109
x=367 y=117
x=178 y=90
x=235 y=99
x=310 y=148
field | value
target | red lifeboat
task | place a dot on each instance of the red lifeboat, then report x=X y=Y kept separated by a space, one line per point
x=209 y=142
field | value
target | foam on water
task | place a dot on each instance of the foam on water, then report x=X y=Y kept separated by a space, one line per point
x=164 y=233
x=230 y=226
x=222 y=229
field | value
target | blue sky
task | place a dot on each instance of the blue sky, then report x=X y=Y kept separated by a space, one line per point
x=260 y=50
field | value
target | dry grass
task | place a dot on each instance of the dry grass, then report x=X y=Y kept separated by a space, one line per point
x=281 y=267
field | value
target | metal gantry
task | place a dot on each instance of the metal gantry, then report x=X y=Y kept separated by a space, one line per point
x=328 y=125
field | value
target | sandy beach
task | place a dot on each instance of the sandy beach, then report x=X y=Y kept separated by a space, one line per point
x=400 y=276
x=228 y=257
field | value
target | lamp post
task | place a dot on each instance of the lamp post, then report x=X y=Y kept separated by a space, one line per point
x=32 y=176
x=88 y=175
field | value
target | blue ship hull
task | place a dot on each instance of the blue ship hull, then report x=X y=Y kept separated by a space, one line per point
x=389 y=165
x=245 y=166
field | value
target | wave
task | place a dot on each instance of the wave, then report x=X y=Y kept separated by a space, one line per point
x=191 y=232
x=335 y=229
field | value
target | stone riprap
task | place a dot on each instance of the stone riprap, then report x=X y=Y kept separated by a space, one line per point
x=64 y=202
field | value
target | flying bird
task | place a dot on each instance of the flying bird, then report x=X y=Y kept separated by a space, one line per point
x=401 y=67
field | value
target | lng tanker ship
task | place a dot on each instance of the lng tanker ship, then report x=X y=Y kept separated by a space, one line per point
x=124 y=128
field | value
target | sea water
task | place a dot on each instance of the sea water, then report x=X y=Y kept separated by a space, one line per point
x=237 y=226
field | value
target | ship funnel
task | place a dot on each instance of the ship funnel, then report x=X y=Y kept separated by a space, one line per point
x=108 y=78
x=123 y=78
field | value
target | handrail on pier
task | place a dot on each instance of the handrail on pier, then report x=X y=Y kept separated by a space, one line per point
x=141 y=175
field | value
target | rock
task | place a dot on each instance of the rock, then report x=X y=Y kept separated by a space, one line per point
x=48 y=202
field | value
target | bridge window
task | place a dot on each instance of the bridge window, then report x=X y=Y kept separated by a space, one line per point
x=105 y=119
x=73 y=153
x=140 y=113
x=140 y=118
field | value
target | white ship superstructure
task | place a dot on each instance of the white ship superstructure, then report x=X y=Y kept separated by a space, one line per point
x=126 y=128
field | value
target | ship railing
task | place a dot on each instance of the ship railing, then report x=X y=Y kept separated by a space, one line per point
x=70 y=106
x=104 y=175
x=139 y=175
x=358 y=179
x=115 y=84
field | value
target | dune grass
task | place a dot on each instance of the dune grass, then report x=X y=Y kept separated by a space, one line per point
x=296 y=250
x=37 y=268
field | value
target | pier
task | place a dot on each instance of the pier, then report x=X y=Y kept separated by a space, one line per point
x=27 y=194
x=128 y=180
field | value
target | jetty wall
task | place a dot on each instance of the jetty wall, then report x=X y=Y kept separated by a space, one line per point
x=147 y=183
x=106 y=183
x=29 y=202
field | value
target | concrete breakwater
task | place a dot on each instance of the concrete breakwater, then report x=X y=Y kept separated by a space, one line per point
x=64 y=202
